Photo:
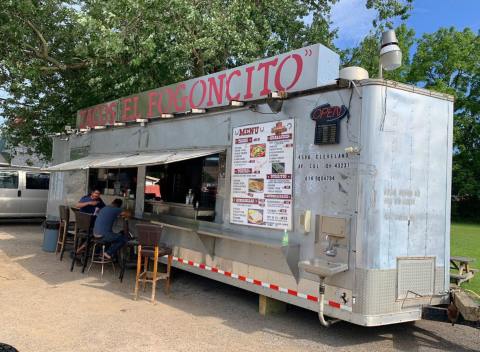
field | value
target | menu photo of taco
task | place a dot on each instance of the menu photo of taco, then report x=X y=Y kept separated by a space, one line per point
x=256 y=185
x=258 y=150
x=255 y=216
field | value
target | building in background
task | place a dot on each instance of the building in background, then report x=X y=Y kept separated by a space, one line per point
x=19 y=156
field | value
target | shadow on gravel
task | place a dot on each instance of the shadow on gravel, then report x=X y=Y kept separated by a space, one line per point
x=236 y=307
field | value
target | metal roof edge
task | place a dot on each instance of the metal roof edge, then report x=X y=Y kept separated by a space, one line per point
x=407 y=87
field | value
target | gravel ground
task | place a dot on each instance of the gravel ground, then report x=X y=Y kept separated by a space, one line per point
x=45 y=307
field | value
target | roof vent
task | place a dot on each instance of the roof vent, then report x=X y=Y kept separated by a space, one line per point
x=353 y=73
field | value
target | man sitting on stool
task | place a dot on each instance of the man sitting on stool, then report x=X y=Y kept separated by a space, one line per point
x=103 y=227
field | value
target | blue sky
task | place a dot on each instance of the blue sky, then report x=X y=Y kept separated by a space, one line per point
x=354 y=20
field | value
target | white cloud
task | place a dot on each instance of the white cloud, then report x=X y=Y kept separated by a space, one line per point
x=353 y=21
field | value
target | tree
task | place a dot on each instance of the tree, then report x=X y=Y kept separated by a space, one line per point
x=445 y=61
x=448 y=61
x=58 y=56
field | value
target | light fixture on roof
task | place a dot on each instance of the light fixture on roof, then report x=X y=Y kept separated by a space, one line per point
x=390 y=53
x=236 y=103
x=119 y=124
x=182 y=113
x=166 y=116
x=275 y=100
x=142 y=122
x=198 y=111
x=278 y=95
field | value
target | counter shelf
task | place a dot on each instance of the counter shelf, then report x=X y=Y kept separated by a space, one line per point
x=160 y=208
x=208 y=232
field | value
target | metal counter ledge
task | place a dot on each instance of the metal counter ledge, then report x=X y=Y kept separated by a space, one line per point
x=206 y=231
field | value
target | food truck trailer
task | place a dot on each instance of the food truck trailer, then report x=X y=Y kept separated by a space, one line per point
x=286 y=177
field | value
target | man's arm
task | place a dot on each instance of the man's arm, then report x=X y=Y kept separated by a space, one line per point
x=82 y=204
x=126 y=214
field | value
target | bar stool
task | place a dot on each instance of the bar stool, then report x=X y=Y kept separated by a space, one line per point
x=150 y=247
x=83 y=231
x=98 y=241
x=65 y=233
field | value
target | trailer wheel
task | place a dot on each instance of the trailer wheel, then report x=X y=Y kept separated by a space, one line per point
x=7 y=348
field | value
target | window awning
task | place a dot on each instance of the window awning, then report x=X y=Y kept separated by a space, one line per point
x=86 y=162
x=151 y=158
x=192 y=154
x=139 y=159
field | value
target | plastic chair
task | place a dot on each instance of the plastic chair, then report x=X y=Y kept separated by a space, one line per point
x=150 y=247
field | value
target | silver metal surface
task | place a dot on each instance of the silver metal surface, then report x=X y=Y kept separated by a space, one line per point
x=90 y=161
x=392 y=188
x=322 y=267
x=416 y=276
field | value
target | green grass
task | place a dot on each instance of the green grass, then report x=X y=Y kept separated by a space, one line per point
x=465 y=241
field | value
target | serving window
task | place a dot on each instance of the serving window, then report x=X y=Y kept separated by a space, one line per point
x=185 y=188
x=115 y=183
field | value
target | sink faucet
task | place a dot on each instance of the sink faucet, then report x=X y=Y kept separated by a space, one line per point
x=331 y=250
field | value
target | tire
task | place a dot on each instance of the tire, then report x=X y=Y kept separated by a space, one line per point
x=7 y=348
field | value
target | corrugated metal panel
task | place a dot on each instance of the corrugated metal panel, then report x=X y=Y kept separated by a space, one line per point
x=138 y=159
x=192 y=154
x=86 y=162
x=155 y=158
x=113 y=161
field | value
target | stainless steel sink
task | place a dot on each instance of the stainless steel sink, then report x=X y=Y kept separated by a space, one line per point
x=322 y=267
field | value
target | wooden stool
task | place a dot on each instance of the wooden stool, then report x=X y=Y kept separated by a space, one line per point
x=150 y=247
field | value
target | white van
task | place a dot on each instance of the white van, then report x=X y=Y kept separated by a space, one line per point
x=23 y=192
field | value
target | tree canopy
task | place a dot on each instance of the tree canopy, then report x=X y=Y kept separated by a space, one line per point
x=60 y=56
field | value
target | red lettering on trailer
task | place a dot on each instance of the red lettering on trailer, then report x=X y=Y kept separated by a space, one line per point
x=249 y=82
x=249 y=93
x=204 y=93
x=266 y=75
x=129 y=111
x=111 y=112
x=183 y=100
x=151 y=103
x=227 y=90
x=298 y=72
x=82 y=117
x=217 y=89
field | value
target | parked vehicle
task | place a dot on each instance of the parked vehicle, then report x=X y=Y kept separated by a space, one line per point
x=23 y=192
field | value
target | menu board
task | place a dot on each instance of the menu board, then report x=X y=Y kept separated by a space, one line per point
x=262 y=169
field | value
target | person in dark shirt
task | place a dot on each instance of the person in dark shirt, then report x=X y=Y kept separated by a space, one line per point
x=104 y=227
x=90 y=202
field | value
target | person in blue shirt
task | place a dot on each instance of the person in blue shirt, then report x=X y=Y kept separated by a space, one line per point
x=104 y=227
x=90 y=202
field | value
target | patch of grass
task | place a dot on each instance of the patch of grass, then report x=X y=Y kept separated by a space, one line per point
x=465 y=242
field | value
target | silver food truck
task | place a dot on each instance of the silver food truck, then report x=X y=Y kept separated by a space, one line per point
x=286 y=177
